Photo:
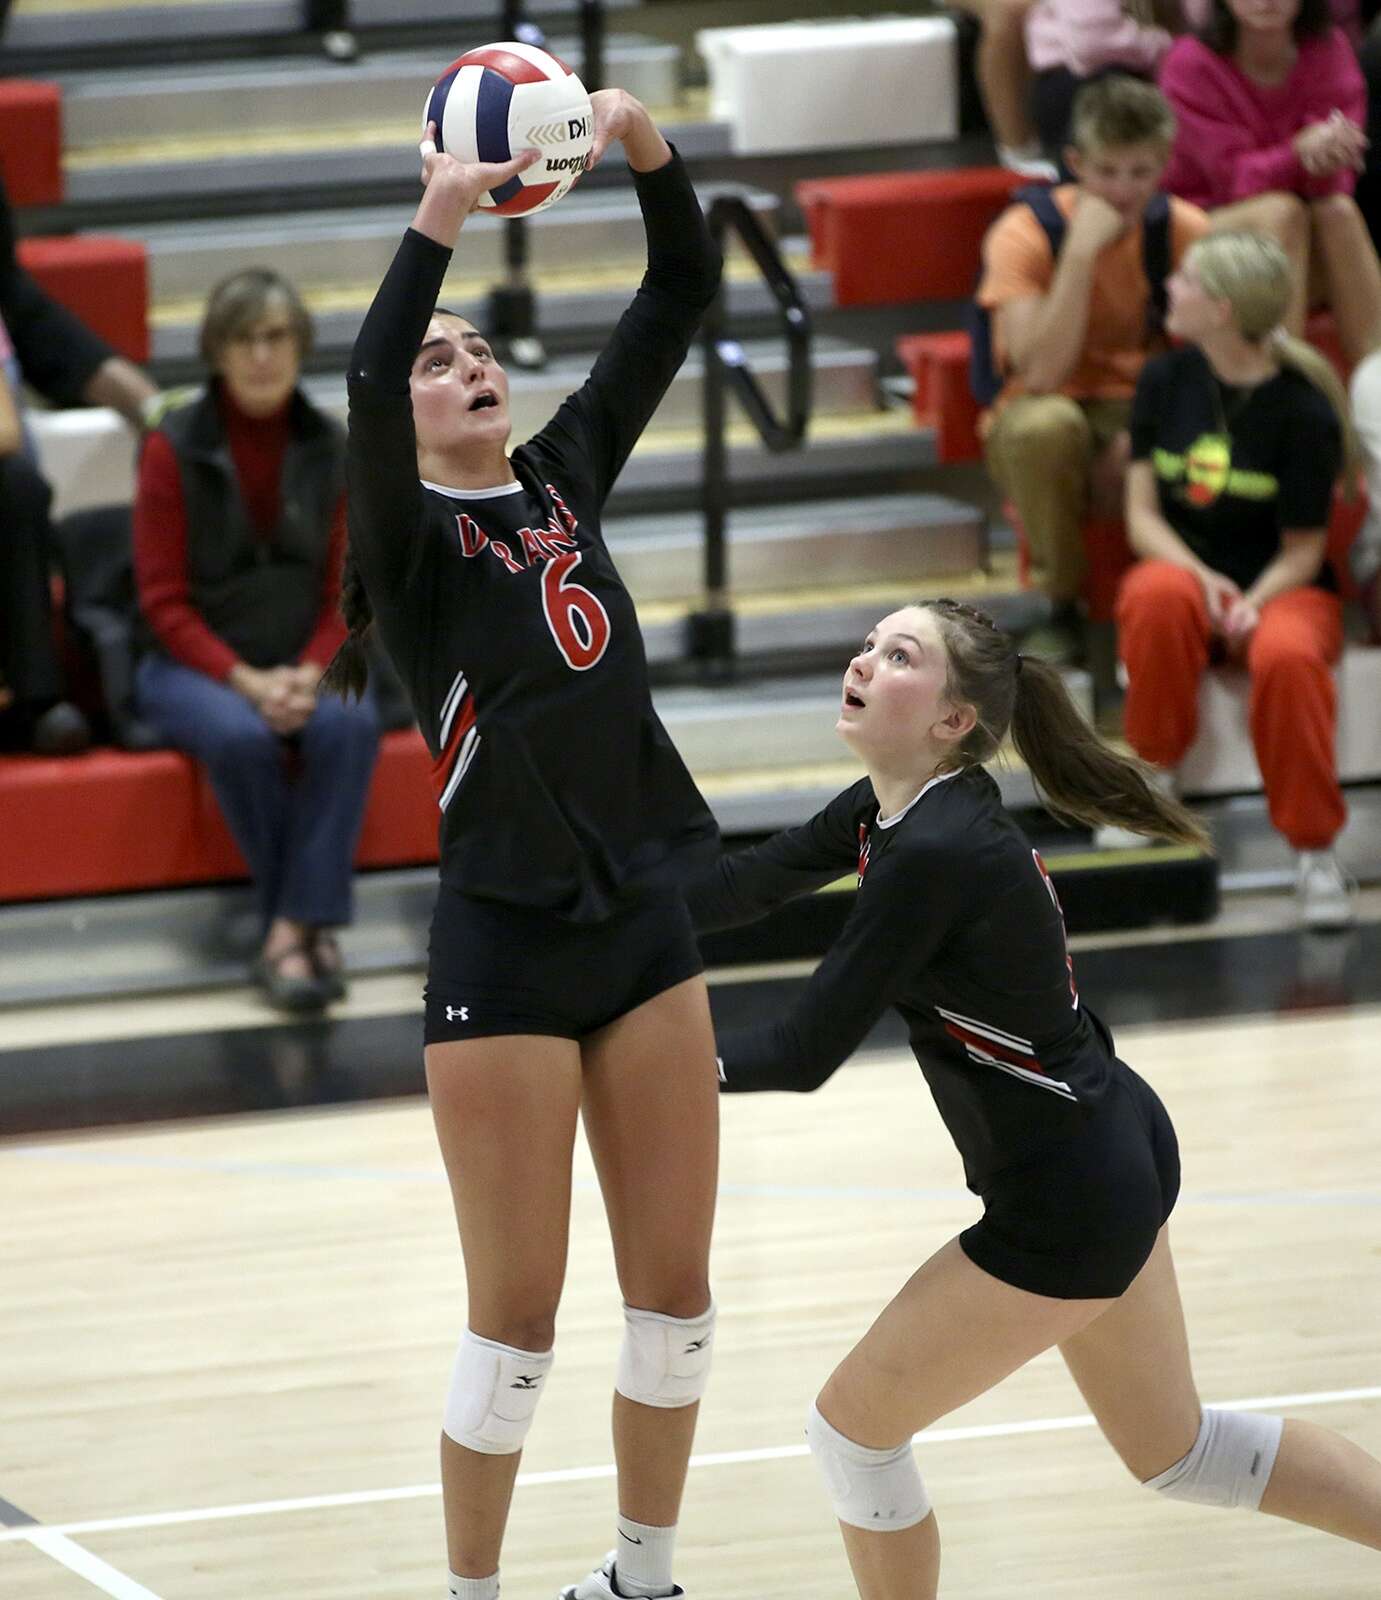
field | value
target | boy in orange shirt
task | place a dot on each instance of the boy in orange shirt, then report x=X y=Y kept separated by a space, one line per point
x=1072 y=331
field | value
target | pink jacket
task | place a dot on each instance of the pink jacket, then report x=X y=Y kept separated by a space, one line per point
x=1086 y=35
x=1233 y=136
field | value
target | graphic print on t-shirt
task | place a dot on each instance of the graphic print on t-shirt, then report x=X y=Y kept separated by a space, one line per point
x=1205 y=472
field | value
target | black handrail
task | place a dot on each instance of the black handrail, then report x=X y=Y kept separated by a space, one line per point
x=710 y=631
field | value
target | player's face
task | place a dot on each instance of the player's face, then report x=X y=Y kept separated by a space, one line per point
x=894 y=688
x=1126 y=178
x=459 y=390
x=260 y=364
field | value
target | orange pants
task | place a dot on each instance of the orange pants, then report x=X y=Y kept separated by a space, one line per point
x=1165 y=641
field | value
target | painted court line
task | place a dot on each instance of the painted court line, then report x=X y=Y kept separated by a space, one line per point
x=72 y=1556
x=726 y=1458
x=100 y=1573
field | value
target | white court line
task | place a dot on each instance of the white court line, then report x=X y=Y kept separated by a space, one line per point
x=725 y=1458
x=85 y=1565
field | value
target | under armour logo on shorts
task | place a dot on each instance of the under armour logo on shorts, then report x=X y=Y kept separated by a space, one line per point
x=457 y=1013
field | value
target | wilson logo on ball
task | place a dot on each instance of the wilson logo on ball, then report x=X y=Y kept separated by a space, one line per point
x=494 y=103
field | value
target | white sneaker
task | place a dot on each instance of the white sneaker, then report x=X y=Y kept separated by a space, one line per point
x=1323 y=891
x=1113 y=836
x=601 y=1584
x=1027 y=161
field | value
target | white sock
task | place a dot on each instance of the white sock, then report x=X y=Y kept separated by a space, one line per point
x=474 y=1588
x=644 y=1558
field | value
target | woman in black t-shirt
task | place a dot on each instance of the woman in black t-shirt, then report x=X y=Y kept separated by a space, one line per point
x=956 y=925
x=1237 y=441
x=563 y=980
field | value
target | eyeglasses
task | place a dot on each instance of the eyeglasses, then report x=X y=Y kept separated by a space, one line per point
x=274 y=338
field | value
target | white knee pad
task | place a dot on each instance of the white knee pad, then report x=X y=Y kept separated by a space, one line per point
x=1230 y=1462
x=880 y=1490
x=665 y=1361
x=493 y=1395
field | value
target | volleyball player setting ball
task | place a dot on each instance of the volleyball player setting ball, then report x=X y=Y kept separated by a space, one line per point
x=563 y=975
x=956 y=925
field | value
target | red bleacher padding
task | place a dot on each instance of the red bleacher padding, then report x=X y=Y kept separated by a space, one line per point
x=942 y=399
x=31 y=141
x=896 y=236
x=112 y=821
x=103 y=281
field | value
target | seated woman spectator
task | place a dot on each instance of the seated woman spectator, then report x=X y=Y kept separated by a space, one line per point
x=1271 y=113
x=239 y=533
x=1071 y=42
x=1237 y=441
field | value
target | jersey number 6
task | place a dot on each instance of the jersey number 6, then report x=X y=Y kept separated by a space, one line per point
x=578 y=623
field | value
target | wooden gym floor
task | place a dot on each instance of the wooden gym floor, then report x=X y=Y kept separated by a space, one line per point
x=225 y=1339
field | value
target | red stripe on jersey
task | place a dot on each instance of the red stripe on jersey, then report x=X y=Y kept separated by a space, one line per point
x=516 y=68
x=990 y=1047
x=865 y=848
x=445 y=762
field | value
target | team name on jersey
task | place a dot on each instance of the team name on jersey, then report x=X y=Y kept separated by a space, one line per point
x=534 y=545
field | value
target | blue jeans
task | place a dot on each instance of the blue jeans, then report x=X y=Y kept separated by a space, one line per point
x=293 y=805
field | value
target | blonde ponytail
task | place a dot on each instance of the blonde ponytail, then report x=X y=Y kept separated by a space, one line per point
x=1313 y=365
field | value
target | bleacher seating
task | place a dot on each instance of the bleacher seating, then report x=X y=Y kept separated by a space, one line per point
x=110 y=822
x=891 y=237
x=31 y=141
x=104 y=281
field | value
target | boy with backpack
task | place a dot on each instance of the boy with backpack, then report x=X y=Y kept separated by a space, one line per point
x=1069 y=306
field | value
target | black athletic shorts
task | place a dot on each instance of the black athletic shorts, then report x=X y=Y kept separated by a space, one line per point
x=1079 y=1221
x=494 y=968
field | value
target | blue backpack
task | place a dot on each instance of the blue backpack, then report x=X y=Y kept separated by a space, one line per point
x=984 y=378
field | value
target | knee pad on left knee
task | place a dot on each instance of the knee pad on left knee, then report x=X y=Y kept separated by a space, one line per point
x=665 y=1361
x=880 y=1490
x=1229 y=1463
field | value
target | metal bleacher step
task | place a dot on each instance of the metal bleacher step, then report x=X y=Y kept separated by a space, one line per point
x=88 y=455
x=51 y=30
x=824 y=623
x=309 y=161
x=128 y=107
x=885 y=539
x=577 y=307
x=348 y=251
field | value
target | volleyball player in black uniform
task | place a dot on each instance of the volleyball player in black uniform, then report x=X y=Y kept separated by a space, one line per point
x=563 y=977
x=957 y=925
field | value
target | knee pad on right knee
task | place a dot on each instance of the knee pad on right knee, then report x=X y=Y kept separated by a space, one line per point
x=493 y=1395
x=880 y=1490
x=1229 y=1463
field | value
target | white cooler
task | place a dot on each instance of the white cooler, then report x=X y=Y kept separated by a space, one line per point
x=827 y=85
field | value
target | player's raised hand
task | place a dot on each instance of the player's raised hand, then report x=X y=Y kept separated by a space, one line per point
x=472 y=179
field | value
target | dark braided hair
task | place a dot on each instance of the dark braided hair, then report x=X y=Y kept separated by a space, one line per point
x=348 y=671
x=1082 y=778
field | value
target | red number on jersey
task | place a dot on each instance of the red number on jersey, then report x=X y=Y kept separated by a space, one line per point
x=1055 y=901
x=578 y=623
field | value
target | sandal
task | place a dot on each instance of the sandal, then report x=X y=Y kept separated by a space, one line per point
x=286 y=992
x=329 y=967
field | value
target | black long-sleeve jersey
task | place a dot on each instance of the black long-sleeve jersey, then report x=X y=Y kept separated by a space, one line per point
x=957 y=925
x=503 y=611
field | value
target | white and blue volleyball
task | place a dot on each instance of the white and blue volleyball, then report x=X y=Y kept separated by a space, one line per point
x=496 y=102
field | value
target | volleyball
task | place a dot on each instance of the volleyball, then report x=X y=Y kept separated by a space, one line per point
x=495 y=102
